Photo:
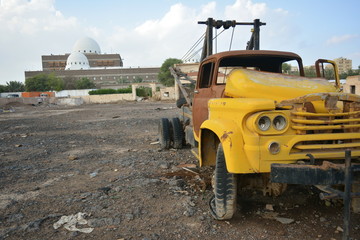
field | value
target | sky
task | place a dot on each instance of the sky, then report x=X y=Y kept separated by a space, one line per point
x=145 y=33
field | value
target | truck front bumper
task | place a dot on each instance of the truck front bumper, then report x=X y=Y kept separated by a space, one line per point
x=326 y=174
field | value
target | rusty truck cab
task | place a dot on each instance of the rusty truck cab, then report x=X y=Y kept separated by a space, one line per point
x=214 y=69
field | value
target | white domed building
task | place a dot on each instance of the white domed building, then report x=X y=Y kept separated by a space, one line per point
x=87 y=60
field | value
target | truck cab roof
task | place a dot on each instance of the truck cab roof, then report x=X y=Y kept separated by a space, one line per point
x=263 y=60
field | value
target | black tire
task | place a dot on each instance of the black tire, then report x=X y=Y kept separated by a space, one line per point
x=164 y=133
x=223 y=203
x=177 y=133
x=180 y=102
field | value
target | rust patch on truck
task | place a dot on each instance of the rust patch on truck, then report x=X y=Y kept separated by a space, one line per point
x=225 y=136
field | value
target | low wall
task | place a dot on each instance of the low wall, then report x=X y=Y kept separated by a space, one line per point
x=70 y=101
x=167 y=93
x=6 y=94
x=107 y=98
x=164 y=94
x=31 y=100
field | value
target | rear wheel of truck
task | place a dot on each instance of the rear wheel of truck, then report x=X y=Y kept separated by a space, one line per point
x=223 y=203
x=177 y=133
x=164 y=133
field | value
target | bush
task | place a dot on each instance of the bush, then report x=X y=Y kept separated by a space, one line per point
x=144 y=92
x=141 y=91
x=110 y=91
x=124 y=90
x=84 y=83
x=102 y=91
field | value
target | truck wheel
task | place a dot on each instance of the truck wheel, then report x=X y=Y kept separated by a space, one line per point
x=223 y=203
x=177 y=133
x=164 y=133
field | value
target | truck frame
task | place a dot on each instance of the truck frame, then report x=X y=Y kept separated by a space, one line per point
x=248 y=119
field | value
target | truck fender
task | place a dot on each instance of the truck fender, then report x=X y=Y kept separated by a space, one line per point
x=226 y=132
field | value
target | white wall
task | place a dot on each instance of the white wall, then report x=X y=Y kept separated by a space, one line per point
x=73 y=93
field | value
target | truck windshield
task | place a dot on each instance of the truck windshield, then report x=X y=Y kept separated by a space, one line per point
x=265 y=63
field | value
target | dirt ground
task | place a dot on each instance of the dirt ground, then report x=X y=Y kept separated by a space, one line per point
x=103 y=161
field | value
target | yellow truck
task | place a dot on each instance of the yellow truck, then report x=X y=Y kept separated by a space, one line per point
x=250 y=120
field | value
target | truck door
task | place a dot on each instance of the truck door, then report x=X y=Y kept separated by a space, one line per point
x=203 y=92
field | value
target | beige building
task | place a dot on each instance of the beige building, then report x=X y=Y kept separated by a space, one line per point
x=343 y=64
x=352 y=85
x=58 y=62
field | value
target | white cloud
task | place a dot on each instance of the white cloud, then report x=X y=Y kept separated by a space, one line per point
x=244 y=10
x=340 y=39
x=173 y=34
x=159 y=29
x=32 y=17
x=33 y=28
x=150 y=43
x=277 y=32
x=30 y=29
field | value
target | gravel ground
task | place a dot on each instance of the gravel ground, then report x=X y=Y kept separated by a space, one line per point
x=100 y=166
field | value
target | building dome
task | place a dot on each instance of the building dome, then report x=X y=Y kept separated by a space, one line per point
x=87 y=46
x=77 y=61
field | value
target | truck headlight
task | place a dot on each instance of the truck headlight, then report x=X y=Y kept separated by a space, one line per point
x=264 y=123
x=279 y=123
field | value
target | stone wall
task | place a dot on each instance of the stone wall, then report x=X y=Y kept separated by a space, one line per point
x=107 y=98
x=167 y=93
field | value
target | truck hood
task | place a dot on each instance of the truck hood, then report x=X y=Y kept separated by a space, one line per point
x=254 y=84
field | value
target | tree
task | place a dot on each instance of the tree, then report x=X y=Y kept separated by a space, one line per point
x=3 y=88
x=286 y=68
x=84 y=83
x=350 y=72
x=44 y=82
x=310 y=71
x=69 y=83
x=138 y=79
x=55 y=83
x=14 y=86
x=165 y=76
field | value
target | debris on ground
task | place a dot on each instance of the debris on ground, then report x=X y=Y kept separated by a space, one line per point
x=73 y=157
x=269 y=207
x=70 y=222
x=284 y=220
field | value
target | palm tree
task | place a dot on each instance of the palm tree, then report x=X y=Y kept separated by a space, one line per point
x=14 y=86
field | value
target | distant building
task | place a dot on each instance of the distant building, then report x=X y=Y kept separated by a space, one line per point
x=86 y=60
x=352 y=85
x=294 y=69
x=343 y=64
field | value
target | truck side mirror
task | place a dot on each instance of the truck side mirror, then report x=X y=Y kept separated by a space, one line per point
x=328 y=69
